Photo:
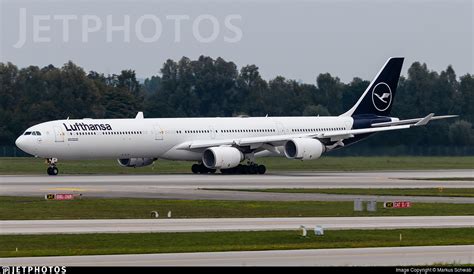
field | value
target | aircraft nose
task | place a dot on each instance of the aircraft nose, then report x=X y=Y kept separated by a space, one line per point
x=20 y=141
x=24 y=144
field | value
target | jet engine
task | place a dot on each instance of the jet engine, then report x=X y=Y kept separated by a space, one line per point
x=304 y=149
x=135 y=162
x=222 y=157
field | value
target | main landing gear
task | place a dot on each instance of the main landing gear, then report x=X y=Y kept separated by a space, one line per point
x=240 y=169
x=201 y=168
x=245 y=169
x=52 y=169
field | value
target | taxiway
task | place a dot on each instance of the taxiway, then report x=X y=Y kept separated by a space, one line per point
x=228 y=224
x=381 y=256
x=190 y=186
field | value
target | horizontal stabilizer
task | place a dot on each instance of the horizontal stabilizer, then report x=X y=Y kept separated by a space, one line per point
x=414 y=122
x=425 y=120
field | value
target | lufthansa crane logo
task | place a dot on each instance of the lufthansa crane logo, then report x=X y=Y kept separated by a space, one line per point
x=382 y=96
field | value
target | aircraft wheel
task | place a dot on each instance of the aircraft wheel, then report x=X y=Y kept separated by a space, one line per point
x=55 y=171
x=195 y=168
x=261 y=169
x=203 y=169
x=52 y=170
x=253 y=169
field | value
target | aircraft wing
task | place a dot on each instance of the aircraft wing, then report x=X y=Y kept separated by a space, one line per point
x=337 y=135
x=248 y=141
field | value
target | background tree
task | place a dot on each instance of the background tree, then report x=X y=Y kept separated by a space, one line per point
x=209 y=87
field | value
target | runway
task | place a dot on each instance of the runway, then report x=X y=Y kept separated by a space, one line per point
x=382 y=256
x=228 y=224
x=190 y=186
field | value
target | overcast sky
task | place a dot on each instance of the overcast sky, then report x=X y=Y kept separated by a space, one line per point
x=295 y=39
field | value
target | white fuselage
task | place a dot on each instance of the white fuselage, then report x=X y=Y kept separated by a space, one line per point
x=161 y=137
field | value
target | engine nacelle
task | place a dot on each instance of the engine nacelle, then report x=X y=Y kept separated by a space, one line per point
x=304 y=149
x=222 y=157
x=135 y=162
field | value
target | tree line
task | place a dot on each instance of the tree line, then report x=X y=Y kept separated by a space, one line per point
x=209 y=87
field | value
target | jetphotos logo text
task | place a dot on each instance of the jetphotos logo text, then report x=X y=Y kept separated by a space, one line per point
x=146 y=28
x=33 y=270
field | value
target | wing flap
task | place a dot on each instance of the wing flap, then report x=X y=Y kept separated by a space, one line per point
x=350 y=133
x=243 y=141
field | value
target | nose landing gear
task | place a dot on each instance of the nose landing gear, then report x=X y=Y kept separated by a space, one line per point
x=52 y=169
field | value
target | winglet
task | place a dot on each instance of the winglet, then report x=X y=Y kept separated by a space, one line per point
x=139 y=115
x=425 y=120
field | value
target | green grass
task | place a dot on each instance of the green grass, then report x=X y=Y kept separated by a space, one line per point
x=136 y=243
x=435 y=192
x=37 y=166
x=33 y=208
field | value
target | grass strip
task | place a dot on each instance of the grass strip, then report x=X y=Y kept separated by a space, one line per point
x=30 y=165
x=100 y=244
x=435 y=192
x=36 y=208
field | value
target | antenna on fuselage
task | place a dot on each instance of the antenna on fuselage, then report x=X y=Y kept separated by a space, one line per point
x=139 y=115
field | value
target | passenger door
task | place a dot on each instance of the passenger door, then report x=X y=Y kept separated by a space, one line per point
x=159 y=132
x=58 y=134
x=281 y=128
x=213 y=132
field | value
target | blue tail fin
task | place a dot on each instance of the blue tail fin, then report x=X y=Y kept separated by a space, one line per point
x=378 y=97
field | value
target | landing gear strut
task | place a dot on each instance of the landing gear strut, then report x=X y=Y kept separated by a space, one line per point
x=201 y=168
x=52 y=169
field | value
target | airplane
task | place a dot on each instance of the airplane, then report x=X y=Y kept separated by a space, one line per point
x=221 y=143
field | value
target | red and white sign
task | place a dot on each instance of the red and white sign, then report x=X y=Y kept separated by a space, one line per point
x=64 y=197
x=397 y=204
x=59 y=197
x=401 y=204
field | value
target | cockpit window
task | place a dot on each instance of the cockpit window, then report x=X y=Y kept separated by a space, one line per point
x=37 y=133
x=28 y=133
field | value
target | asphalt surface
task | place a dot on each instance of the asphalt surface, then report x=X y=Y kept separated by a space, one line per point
x=384 y=256
x=228 y=224
x=190 y=186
